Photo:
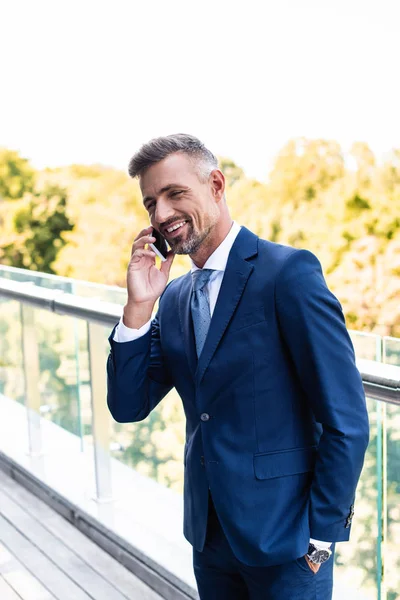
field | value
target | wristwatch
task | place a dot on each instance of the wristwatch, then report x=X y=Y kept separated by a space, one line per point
x=318 y=555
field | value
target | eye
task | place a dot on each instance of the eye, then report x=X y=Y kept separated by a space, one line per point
x=177 y=193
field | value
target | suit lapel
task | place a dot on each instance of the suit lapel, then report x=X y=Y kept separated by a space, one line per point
x=237 y=272
x=186 y=322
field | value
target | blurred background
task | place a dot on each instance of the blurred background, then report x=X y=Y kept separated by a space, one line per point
x=300 y=101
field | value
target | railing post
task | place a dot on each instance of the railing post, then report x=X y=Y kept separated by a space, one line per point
x=77 y=370
x=384 y=487
x=101 y=421
x=30 y=353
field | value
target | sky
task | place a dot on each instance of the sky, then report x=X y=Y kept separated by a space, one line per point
x=85 y=81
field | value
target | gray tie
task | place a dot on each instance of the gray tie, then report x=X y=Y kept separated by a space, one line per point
x=200 y=306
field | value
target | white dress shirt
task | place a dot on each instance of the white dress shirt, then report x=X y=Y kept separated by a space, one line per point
x=217 y=261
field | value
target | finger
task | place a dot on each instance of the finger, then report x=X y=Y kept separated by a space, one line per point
x=166 y=265
x=146 y=231
x=141 y=253
x=141 y=242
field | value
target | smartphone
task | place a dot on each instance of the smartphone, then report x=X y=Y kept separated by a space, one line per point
x=160 y=245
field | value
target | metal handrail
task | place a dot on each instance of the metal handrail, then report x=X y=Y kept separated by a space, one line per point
x=62 y=303
x=381 y=381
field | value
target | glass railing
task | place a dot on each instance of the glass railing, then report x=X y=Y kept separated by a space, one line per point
x=153 y=447
x=46 y=361
x=389 y=476
x=368 y=565
x=86 y=289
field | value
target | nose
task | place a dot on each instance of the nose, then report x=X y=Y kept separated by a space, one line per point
x=163 y=211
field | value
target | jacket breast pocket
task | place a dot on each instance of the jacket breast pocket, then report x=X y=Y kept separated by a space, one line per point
x=257 y=315
x=268 y=465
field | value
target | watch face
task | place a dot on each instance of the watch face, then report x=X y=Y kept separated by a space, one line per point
x=320 y=556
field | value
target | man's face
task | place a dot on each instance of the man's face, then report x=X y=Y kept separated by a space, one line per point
x=173 y=194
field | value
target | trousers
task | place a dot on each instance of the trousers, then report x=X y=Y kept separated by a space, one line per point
x=221 y=576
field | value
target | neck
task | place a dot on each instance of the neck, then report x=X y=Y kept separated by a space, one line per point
x=211 y=244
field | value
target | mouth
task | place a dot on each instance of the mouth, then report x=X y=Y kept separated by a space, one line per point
x=177 y=229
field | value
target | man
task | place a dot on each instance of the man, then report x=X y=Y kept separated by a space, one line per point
x=257 y=348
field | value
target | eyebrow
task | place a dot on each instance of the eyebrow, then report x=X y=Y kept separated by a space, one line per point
x=164 y=189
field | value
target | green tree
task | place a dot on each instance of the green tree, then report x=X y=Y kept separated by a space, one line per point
x=40 y=219
x=16 y=175
x=305 y=167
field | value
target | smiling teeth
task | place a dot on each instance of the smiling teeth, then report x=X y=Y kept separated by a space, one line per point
x=171 y=229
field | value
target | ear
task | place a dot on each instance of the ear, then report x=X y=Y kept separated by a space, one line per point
x=217 y=183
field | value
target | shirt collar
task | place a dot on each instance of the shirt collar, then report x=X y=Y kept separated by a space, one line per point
x=218 y=259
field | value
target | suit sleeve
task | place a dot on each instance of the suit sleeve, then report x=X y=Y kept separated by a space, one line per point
x=137 y=378
x=313 y=327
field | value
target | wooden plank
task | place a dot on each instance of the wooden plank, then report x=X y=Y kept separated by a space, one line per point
x=6 y=592
x=76 y=569
x=16 y=582
x=45 y=571
x=120 y=577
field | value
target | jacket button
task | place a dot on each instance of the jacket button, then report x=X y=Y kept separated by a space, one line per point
x=202 y=461
x=204 y=416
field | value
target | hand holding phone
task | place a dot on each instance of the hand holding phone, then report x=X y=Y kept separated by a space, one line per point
x=145 y=281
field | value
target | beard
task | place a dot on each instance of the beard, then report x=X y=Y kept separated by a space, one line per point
x=193 y=240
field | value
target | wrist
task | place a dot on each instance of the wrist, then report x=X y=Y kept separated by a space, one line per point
x=136 y=315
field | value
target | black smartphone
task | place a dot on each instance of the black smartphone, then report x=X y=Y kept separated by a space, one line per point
x=160 y=245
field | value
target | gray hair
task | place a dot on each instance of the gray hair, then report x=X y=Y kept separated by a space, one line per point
x=159 y=148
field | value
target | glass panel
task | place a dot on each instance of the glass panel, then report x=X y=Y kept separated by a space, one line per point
x=11 y=364
x=63 y=356
x=366 y=345
x=391 y=351
x=358 y=562
x=391 y=478
x=60 y=375
x=391 y=507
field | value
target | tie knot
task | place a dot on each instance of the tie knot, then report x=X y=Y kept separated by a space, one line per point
x=200 y=278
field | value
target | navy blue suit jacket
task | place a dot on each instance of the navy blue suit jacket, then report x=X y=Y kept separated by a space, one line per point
x=277 y=425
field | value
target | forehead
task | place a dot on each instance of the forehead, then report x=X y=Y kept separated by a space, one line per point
x=176 y=168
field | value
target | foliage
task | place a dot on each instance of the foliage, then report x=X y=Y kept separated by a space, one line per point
x=345 y=209
x=304 y=168
x=16 y=175
x=38 y=222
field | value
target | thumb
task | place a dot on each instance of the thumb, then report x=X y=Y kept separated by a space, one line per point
x=166 y=265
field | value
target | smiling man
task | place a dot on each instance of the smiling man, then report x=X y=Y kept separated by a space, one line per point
x=257 y=348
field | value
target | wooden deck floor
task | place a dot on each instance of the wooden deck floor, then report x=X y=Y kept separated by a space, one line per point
x=44 y=557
